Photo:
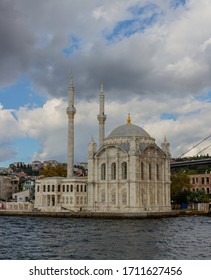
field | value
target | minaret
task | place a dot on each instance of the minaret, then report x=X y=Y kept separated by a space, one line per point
x=101 y=118
x=70 y=148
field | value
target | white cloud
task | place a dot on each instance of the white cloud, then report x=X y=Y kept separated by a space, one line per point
x=158 y=70
x=10 y=129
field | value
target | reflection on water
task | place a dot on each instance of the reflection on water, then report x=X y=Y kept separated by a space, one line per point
x=68 y=238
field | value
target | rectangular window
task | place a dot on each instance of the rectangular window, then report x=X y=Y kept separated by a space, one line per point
x=71 y=188
x=207 y=180
x=81 y=188
x=202 y=180
x=44 y=188
x=63 y=188
x=59 y=188
x=67 y=188
x=77 y=188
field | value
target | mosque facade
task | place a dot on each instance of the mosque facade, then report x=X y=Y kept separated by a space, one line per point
x=127 y=173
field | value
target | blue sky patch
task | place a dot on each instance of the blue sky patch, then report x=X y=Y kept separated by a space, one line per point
x=74 y=45
x=204 y=97
x=23 y=149
x=177 y=3
x=20 y=94
x=168 y=116
x=141 y=18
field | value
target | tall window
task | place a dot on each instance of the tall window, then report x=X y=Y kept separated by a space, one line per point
x=124 y=170
x=142 y=170
x=157 y=171
x=103 y=171
x=113 y=171
x=150 y=171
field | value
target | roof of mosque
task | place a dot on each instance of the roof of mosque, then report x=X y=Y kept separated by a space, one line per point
x=128 y=130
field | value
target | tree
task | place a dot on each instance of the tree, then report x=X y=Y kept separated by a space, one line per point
x=180 y=187
x=54 y=171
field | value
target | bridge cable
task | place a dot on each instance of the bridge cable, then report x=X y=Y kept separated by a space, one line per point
x=195 y=146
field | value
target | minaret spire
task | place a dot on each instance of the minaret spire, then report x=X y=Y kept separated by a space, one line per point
x=101 y=117
x=70 y=113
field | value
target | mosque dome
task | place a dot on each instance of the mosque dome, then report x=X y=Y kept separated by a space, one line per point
x=128 y=130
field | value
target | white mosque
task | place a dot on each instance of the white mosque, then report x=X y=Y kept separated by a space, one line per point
x=127 y=173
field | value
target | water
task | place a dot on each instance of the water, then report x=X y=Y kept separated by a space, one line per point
x=68 y=238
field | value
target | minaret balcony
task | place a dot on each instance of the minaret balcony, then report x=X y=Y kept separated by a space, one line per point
x=101 y=118
x=71 y=111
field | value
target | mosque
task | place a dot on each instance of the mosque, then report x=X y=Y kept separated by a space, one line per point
x=127 y=173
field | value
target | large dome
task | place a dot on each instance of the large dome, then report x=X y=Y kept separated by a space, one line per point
x=128 y=130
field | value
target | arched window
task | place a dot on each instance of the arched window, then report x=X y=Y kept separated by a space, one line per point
x=113 y=171
x=142 y=170
x=150 y=171
x=124 y=170
x=103 y=171
x=157 y=171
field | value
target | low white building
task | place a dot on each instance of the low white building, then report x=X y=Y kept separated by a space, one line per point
x=59 y=193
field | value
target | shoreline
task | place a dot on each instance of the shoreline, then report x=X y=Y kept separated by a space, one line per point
x=104 y=215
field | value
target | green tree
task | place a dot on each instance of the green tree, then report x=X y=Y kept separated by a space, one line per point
x=180 y=185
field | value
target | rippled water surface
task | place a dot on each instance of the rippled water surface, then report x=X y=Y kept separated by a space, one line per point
x=66 y=238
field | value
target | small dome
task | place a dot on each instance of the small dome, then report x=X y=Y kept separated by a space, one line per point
x=128 y=130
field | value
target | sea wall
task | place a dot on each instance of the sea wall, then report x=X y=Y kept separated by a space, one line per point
x=103 y=215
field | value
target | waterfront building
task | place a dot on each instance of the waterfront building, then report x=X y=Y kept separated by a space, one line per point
x=127 y=173
x=8 y=186
x=200 y=182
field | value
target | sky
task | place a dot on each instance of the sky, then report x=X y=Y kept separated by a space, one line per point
x=153 y=58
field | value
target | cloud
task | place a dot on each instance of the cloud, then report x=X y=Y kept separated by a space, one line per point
x=153 y=57
x=156 y=54
x=10 y=129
